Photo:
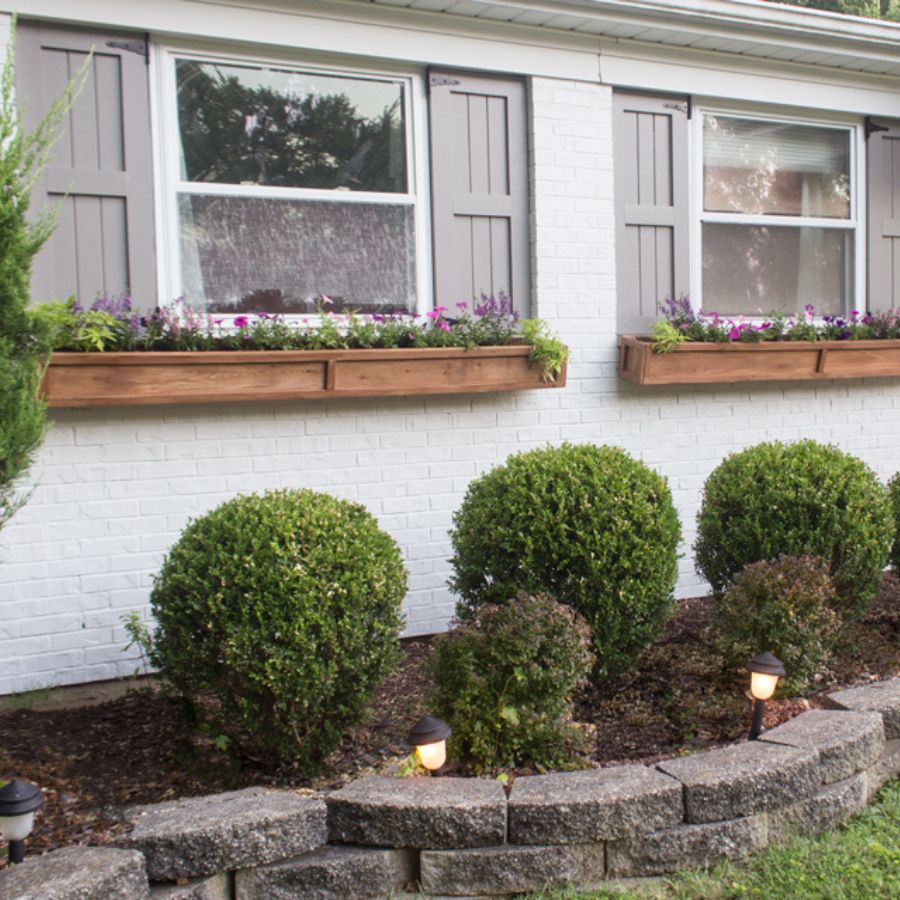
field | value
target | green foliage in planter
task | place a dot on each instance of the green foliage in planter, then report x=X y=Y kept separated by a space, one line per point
x=799 y=499
x=894 y=490
x=787 y=606
x=278 y=616
x=587 y=525
x=504 y=680
x=23 y=339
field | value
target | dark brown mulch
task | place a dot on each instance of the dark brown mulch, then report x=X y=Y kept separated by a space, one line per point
x=92 y=761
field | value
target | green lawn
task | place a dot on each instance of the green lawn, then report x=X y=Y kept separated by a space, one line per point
x=859 y=861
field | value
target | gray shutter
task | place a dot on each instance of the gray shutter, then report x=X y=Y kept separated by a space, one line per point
x=101 y=172
x=479 y=183
x=652 y=178
x=883 y=188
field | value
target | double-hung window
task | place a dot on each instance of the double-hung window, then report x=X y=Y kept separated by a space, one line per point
x=289 y=183
x=778 y=215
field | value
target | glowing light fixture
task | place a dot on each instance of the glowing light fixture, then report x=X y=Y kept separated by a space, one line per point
x=765 y=670
x=19 y=800
x=429 y=737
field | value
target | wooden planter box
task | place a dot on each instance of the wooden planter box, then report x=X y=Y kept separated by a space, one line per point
x=698 y=363
x=123 y=379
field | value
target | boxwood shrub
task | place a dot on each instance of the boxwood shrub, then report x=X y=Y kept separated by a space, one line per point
x=786 y=606
x=279 y=613
x=894 y=490
x=801 y=498
x=589 y=526
x=504 y=681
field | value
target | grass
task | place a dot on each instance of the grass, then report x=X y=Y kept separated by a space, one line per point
x=857 y=861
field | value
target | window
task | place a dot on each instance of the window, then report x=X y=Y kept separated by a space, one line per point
x=777 y=216
x=289 y=183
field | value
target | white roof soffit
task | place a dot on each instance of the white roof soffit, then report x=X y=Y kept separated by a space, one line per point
x=747 y=27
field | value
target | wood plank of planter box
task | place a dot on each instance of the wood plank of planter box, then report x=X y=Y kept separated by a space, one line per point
x=699 y=363
x=122 y=379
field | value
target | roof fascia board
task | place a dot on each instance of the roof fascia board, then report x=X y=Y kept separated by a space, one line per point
x=640 y=66
x=737 y=20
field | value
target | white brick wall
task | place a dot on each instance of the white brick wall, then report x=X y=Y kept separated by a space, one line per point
x=114 y=488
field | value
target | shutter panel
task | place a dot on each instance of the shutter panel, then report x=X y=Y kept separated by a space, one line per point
x=883 y=187
x=652 y=178
x=479 y=183
x=101 y=172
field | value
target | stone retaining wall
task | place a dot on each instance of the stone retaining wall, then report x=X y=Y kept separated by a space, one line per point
x=385 y=837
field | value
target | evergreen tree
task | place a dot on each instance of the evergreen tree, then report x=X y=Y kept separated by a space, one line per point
x=23 y=342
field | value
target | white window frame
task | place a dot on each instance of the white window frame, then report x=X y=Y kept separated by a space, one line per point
x=164 y=114
x=855 y=223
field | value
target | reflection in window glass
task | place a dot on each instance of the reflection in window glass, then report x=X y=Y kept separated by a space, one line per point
x=262 y=126
x=251 y=254
x=755 y=270
x=775 y=168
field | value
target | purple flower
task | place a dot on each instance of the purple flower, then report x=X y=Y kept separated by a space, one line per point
x=241 y=322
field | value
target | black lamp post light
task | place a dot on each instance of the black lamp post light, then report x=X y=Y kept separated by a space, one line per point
x=765 y=670
x=429 y=737
x=19 y=800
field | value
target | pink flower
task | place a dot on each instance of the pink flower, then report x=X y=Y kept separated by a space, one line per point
x=443 y=325
x=462 y=305
x=242 y=322
x=326 y=300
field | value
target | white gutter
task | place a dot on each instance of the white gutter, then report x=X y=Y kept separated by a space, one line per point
x=854 y=38
x=740 y=15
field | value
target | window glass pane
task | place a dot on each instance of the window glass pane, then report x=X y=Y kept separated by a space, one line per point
x=249 y=254
x=246 y=125
x=753 y=270
x=775 y=168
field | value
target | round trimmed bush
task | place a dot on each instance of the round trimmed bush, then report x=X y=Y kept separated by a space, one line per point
x=279 y=614
x=504 y=680
x=589 y=526
x=799 y=499
x=786 y=607
x=894 y=490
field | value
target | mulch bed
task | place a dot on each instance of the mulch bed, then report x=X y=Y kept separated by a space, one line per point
x=92 y=761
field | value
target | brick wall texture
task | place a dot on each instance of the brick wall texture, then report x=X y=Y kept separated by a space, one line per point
x=113 y=488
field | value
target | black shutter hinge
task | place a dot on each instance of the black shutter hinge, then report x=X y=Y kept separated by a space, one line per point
x=687 y=107
x=441 y=81
x=142 y=48
x=873 y=128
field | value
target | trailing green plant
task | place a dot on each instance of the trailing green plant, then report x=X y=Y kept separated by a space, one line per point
x=504 y=682
x=590 y=526
x=23 y=339
x=279 y=614
x=548 y=353
x=787 y=606
x=894 y=491
x=801 y=499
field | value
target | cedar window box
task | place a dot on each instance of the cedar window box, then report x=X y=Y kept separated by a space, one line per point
x=702 y=363
x=145 y=378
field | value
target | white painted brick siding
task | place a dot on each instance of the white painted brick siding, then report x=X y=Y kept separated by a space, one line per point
x=113 y=488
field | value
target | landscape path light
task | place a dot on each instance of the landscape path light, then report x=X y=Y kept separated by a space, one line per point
x=765 y=670
x=19 y=800
x=429 y=737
